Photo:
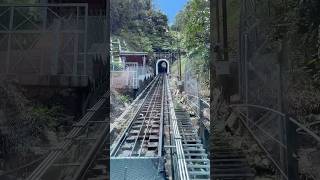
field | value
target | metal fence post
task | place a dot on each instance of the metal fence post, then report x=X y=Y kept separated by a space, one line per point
x=55 y=62
x=246 y=73
x=292 y=161
x=9 y=39
x=199 y=98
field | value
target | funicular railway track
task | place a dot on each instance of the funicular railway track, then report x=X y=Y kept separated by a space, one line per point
x=139 y=152
x=140 y=144
x=144 y=146
x=144 y=135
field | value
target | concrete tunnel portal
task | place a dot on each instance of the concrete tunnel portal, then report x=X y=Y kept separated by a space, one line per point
x=162 y=66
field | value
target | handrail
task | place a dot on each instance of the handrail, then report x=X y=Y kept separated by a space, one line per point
x=311 y=133
x=301 y=126
x=78 y=127
x=182 y=165
x=205 y=102
x=266 y=133
x=264 y=149
x=114 y=147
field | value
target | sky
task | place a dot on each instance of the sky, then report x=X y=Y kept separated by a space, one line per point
x=170 y=7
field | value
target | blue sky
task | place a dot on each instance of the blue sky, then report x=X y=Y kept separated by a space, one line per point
x=170 y=7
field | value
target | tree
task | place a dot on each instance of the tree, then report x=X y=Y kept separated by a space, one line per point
x=193 y=23
x=141 y=26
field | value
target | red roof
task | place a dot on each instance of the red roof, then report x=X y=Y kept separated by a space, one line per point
x=135 y=58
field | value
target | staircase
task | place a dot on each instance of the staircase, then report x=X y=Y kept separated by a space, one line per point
x=196 y=157
x=229 y=163
x=115 y=47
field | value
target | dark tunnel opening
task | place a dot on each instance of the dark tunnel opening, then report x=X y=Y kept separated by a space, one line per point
x=162 y=67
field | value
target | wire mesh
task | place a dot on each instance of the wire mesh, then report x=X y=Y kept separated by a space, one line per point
x=261 y=77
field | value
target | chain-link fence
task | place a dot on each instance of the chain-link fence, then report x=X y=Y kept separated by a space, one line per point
x=131 y=77
x=196 y=102
x=260 y=81
x=264 y=71
x=193 y=89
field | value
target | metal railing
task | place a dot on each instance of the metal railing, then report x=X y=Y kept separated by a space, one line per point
x=281 y=151
x=67 y=159
x=180 y=165
x=131 y=77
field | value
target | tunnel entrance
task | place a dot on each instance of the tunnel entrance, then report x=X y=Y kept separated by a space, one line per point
x=162 y=66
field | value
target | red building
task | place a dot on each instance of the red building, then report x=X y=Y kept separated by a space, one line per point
x=134 y=58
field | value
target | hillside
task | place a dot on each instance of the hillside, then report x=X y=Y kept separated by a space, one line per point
x=140 y=25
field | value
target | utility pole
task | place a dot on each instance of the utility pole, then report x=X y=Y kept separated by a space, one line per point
x=287 y=129
x=179 y=54
x=180 y=83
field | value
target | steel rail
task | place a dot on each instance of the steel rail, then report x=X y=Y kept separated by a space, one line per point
x=182 y=165
x=161 y=123
x=147 y=130
x=99 y=144
x=41 y=169
x=162 y=118
x=118 y=120
x=118 y=144
x=153 y=100
x=90 y=158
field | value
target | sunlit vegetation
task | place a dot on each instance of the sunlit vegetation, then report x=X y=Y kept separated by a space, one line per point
x=143 y=27
x=193 y=27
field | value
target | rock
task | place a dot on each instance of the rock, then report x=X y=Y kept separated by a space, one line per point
x=206 y=113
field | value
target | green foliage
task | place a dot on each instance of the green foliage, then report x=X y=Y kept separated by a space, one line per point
x=193 y=23
x=142 y=27
x=312 y=67
x=117 y=65
x=124 y=98
x=45 y=118
x=308 y=26
x=193 y=26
